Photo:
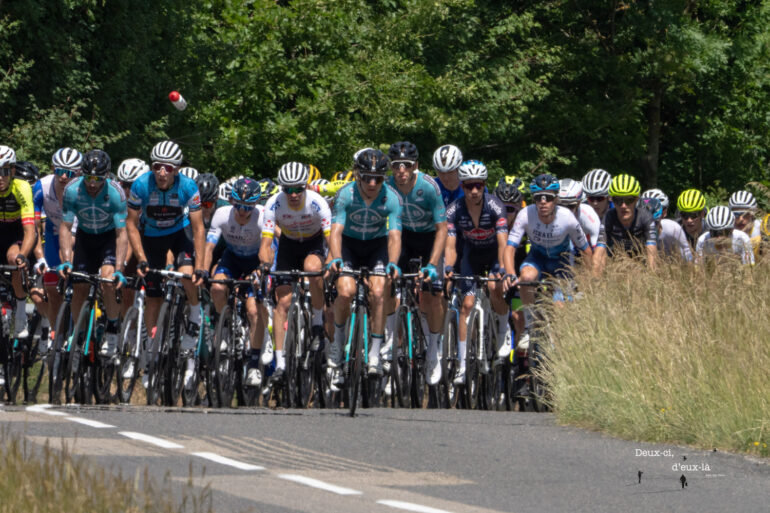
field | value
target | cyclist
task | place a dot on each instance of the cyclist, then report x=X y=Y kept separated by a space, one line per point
x=340 y=179
x=692 y=210
x=446 y=162
x=27 y=171
x=17 y=230
x=100 y=244
x=722 y=239
x=240 y=226
x=671 y=238
x=550 y=229
x=366 y=232
x=423 y=236
x=189 y=172
x=743 y=205
x=627 y=227
x=596 y=187
x=304 y=221
x=479 y=219
x=570 y=196
x=47 y=195
x=168 y=201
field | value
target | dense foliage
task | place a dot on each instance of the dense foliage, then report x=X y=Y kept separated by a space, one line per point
x=675 y=92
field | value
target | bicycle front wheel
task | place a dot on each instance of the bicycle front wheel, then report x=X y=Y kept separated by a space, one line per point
x=57 y=358
x=74 y=389
x=472 y=364
x=223 y=366
x=401 y=366
x=356 y=360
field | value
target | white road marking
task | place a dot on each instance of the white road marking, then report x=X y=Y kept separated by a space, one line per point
x=408 y=506
x=89 y=422
x=43 y=408
x=151 y=440
x=227 y=461
x=315 y=483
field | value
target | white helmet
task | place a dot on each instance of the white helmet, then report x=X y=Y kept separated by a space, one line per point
x=224 y=190
x=597 y=183
x=167 y=152
x=447 y=158
x=570 y=191
x=742 y=201
x=189 y=172
x=359 y=152
x=293 y=173
x=67 y=158
x=234 y=179
x=319 y=182
x=7 y=156
x=720 y=218
x=131 y=169
x=658 y=195
x=472 y=170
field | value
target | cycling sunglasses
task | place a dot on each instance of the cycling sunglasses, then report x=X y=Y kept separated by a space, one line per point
x=511 y=209
x=690 y=215
x=368 y=178
x=470 y=186
x=548 y=198
x=721 y=233
x=597 y=199
x=162 y=166
x=408 y=164
x=299 y=189
x=242 y=207
x=69 y=173
x=94 y=178
x=624 y=200
x=741 y=213
x=6 y=170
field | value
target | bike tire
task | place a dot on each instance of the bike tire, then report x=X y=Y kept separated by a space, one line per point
x=290 y=348
x=448 y=392
x=176 y=362
x=356 y=363
x=157 y=358
x=401 y=363
x=103 y=373
x=472 y=371
x=37 y=362
x=223 y=367
x=73 y=376
x=57 y=358
x=128 y=356
x=418 y=381
x=14 y=367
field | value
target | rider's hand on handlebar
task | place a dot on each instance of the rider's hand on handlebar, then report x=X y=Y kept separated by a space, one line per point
x=429 y=272
x=141 y=268
x=22 y=261
x=40 y=266
x=200 y=277
x=119 y=279
x=64 y=269
x=334 y=265
x=393 y=270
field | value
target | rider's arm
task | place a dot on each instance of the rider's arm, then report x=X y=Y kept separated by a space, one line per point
x=37 y=203
x=335 y=240
x=394 y=245
x=65 y=241
x=134 y=237
x=27 y=218
x=121 y=248
x=439 y=243
x=651 y=244
x=450 y=249
x=652 y=254
x=266 y=253
x=199 y=237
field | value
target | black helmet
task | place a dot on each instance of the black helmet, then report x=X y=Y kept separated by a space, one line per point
x=508 y=190
x=208 y=186
x=27 y=171
x=403 y=150
x=245 y=191
x=96 y=163
x=372 y=162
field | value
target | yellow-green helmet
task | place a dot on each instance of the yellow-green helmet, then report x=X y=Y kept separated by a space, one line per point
x=625 y=185
x=691 y=200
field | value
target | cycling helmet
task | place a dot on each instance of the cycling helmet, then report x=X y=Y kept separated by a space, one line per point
x=96 y=163
x=340 y=176
x=403 y=150
x=131 y=169
x=372 y=162
x=544 y=183
x=293 y=173
x=447 y=158
x=653 y=205
x=741 y=201
x=625 y=185
x=570 y=191
x=472 y=170
x=691 y=200
x=318 y=183
x=7 y=156
x=224 y=190
x=27 y=171
x=313 y=173
x=597 y=182
x=167 y=152
x=208 y=187
x=245 y=191
x=359 y=152
x=657 y=194
x=720 y=218
x=67 y=158
x=189 y=172
x=508 y=190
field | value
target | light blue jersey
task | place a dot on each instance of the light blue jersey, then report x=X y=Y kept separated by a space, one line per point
x=422 y=208
x=95 y=215
x=364 y=222
x=164 y=212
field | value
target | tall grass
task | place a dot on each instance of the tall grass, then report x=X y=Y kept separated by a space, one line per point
x=678 y=355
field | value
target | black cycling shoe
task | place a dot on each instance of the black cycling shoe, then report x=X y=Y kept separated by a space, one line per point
x=277 y=378
x=318 y=336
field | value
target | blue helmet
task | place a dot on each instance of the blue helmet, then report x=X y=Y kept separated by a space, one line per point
x=245 y=191
x=544 y=183
x=654 y=206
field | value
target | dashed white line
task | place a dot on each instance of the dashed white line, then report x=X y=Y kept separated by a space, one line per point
x=408 y=506
x=165 y=444
x=89 y=422
x=227 y=461
x=315 y=483
x=43 y=408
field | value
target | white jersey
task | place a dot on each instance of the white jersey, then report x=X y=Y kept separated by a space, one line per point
x=591 y=224
x=739 y=245
x=314 y=217
x=549 y=240
x=242 y=239
x=672 y=240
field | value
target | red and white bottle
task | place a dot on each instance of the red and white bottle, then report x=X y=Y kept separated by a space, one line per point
x=178 y=100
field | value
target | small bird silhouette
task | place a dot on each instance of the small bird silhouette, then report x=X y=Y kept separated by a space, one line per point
x=640 y=476
x=684 y=458
x=683 y=480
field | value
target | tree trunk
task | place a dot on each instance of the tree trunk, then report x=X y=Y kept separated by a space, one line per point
x=650 y=159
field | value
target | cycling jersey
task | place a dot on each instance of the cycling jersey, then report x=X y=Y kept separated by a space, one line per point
x=450 y=196
x=740 y=244
x=102 y=213
x=492 y=220
x=422 y=207
x=550 y=240
x=672 y=240
x=242 y=240
x=641 y=232
x=47 y=203
x=312 y=218
x=367 y=222
x=592 y=225
x=164 y=211
x=16 y=204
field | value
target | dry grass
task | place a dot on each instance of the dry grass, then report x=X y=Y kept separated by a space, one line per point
x=681 y=355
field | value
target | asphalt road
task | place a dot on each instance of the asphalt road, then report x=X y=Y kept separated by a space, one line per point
x=386 y=460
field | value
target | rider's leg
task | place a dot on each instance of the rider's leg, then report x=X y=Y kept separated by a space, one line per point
x=219 y=292
x=377 y=286
x=18 y=292
x=346 y=288
x=257 y=314
x=282 y=303
x=528 y=273
x=112 y=309
x=501 y=313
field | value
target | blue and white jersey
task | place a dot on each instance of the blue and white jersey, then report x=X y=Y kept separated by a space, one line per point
x=367 y=222
x=95 y=214
x=164 y=212
x=549 y=240
x=242 y=240
x=447 y=195
x=672 y=240
x=422 y=208
x=739 y=244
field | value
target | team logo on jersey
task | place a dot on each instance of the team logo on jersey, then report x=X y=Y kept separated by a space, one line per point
x=419 y=194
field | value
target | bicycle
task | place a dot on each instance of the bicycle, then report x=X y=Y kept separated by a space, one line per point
x=447 y=392
x=133 y=344
x=201 y=389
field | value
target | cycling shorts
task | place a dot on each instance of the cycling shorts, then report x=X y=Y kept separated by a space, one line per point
x=10 y=235
x=292 y=253
x=235 y=267
x=372 y=254
x=419 y=245
x=93 y=250
x=476 y=263
x=156 y=249
x=557 y=267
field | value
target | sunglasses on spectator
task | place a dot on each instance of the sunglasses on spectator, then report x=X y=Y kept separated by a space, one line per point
x=548 y=198
x=369 y=178
x=94 y=178
x=624 y=200
x=299 y=189
x=396 y=164
x=597 y=198
x=690 y=215
x=721 y=233
x=207 y=204
x=470 y=186
x=69 y=173
x=162 y=166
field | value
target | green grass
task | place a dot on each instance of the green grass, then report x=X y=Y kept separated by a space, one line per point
x=681 y=355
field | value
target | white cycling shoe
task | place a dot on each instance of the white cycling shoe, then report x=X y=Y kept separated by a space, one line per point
x=267 y=353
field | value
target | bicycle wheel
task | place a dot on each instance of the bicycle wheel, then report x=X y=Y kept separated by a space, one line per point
x=191 y=395
x=128 y=355
x=356 y=361
x=448 y=392
x=104 y=369
x=36 y=360
x=57 y=358
x=417 y=391
x=13 y=368
x=73 y=375
x=472 y=370
x=489 y=378
x=291 y=346
x=176 y=361
x=157 y=357
x=223 y=371
x=401 y=365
